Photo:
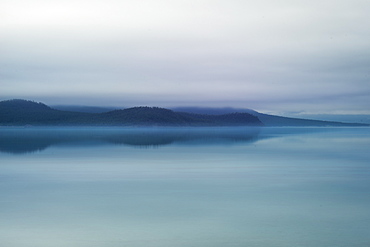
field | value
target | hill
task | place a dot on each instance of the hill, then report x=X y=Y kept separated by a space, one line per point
x=266 y=119
x=23 y=112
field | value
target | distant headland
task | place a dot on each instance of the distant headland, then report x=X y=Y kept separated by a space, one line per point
x=23 y=112
x=19 y=112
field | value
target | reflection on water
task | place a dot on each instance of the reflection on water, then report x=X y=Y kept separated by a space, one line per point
x=208 y=187
x=27 y=140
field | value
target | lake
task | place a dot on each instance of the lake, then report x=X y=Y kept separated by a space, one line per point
x=184 y=187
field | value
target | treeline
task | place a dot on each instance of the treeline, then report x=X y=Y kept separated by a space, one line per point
x=23 y=112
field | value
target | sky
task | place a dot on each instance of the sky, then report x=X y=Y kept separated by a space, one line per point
x=291 y=56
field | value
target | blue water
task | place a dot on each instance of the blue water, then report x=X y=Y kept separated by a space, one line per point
x=184 y=187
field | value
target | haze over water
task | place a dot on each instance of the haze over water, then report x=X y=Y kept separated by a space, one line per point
x=184 y=187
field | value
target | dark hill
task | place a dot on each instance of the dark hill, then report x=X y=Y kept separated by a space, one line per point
x=23 y=112
x=154 y=116
x=145 y=116
x=19 y=104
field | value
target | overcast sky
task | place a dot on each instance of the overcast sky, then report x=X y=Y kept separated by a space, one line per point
x=269 y=55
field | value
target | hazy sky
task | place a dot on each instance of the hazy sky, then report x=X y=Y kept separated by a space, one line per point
x=268 y=55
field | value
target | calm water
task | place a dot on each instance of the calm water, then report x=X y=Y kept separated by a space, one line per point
x=104 y=187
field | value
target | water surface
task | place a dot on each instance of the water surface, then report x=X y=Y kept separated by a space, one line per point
x=184 y=187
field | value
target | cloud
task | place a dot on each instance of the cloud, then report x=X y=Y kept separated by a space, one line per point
x=265 y=54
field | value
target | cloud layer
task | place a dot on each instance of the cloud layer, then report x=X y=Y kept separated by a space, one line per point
x=268 y=55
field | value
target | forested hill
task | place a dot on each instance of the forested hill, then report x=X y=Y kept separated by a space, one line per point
x=23 y=112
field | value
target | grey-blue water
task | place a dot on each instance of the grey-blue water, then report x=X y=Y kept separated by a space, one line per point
x=208 y=187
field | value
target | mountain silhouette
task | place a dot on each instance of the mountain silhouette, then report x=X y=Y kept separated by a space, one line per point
x=23 y=112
